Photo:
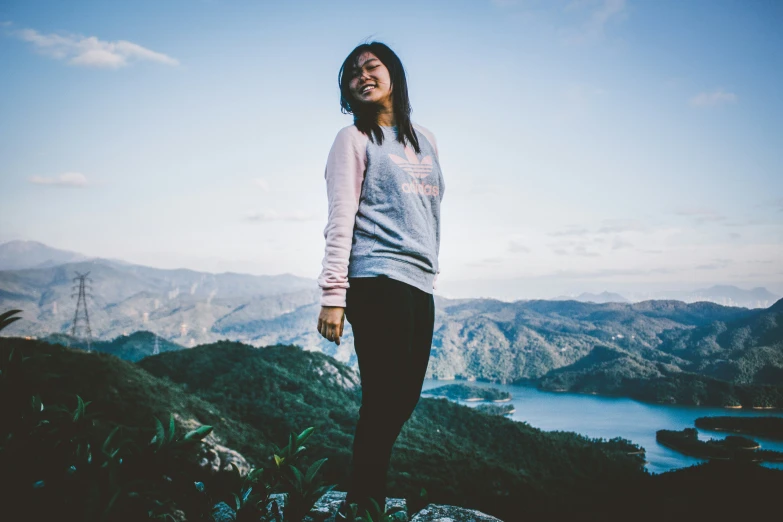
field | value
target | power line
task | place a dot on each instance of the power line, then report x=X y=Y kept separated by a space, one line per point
x=81 y=304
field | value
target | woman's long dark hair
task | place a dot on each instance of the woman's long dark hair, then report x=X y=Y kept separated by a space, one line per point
x=365 y=114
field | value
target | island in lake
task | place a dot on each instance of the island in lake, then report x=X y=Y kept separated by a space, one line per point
x=496 y=409
x=771 y=427
x=733 y=447
x=467 y=392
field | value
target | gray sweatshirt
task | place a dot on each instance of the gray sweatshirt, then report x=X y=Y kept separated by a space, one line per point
x=384 y=212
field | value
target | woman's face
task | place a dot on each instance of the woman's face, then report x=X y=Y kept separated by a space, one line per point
x=370 y=81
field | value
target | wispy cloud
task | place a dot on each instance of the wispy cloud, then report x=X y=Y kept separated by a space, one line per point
x=570 y=232
x=488 y=261
x=261 y=183
x=602 y=12
x=516 y=247
x=618 y=225
x=618 y=243
x=265 y=216
x=716 y=264
x=612 y=272
x=576 y=249
x=700 y=214
x=712 y=98
x=89 y=51
x=609 y=226
x=66 y=179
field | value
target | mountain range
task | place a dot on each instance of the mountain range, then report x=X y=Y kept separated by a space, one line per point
x=661 y=350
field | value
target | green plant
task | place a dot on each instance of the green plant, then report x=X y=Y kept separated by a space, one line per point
x=252 y=495
x=10 y=359
x=375 y=514
x=302 y=488
x=6 y=319
x=58 y=461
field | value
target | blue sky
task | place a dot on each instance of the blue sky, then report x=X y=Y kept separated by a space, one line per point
x=586 y=145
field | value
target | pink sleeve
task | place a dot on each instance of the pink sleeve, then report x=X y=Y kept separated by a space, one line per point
x=431 y=137
x=344 y=175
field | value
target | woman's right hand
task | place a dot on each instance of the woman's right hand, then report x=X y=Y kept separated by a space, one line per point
x=330 y=322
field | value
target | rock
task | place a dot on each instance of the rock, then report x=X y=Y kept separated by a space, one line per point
x=347 y=382
x=212 y=454
x=441 y=513
x=326 y=507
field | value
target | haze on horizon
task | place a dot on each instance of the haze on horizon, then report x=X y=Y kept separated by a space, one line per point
x=587 y=145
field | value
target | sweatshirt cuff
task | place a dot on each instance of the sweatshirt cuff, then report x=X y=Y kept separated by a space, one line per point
x=333 y=297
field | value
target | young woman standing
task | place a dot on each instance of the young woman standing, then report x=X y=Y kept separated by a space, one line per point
x=384 y=187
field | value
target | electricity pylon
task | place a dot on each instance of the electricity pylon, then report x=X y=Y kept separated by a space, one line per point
x=81 y=304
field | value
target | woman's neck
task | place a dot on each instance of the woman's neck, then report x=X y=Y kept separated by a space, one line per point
x=385 y=116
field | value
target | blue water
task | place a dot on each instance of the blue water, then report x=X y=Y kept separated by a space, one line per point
x=609 y=417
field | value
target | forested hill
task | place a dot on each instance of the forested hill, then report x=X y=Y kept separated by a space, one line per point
x=449 y=449
x=133 y=347
x=525 y=340
x=253 y=397
x=736 y=362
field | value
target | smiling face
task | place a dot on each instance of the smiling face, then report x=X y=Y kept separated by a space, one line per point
x=370 y=80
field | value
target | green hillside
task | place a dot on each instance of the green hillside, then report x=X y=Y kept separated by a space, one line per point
x=133 y=347
x=738 y=362
x=446 y=448
x=253 y=397
x=462 y=457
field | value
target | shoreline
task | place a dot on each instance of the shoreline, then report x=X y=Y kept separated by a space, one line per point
x=531 y=383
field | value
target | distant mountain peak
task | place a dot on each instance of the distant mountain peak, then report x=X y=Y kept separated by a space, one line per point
x=21 y=254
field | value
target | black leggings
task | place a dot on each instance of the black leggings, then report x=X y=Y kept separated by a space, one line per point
x=392 y=326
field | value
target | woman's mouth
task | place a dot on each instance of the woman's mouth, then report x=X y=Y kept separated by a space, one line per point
x=367 y=88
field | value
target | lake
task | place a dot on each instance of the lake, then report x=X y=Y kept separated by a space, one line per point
x=608 y=417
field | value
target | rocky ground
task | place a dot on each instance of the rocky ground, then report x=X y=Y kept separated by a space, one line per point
x=325 y=509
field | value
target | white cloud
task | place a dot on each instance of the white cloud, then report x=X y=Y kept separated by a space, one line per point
x=66 y=179
x=90 y=51
x=516 y=247
x=262 y=183
x=716 y=97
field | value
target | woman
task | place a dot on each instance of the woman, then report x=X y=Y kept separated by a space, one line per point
x=384 y=187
